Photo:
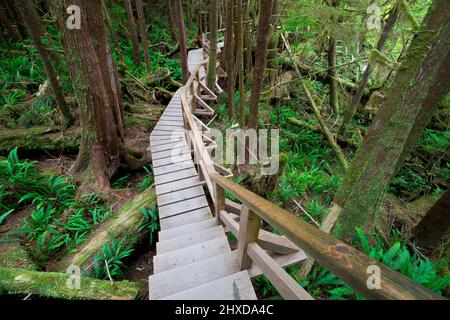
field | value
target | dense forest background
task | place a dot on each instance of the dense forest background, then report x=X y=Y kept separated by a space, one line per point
x=358 y=89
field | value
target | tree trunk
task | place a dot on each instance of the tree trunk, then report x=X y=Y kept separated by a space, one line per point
x=182 y=40
x=15 y=15
x=421 y=79
x=434 y=225
x=348 y=114
x=273 y=46
x=125 y=222
x=212 y=75
x=144 y=40
x=229 y=55
x=332 y=73
x=171 y=19
x=54 y=285
x=134 y=36
x=36 y=31
x=239 y=36
x=7 y=24
x=262 y=41
x=248 y=55
x=101 y=146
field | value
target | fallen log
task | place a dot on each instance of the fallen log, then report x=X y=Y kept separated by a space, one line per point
x=55 y=285
x=40 y=138
x=125 y=222
x=13 y=255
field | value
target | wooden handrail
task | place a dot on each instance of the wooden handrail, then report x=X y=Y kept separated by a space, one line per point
x=346 y=262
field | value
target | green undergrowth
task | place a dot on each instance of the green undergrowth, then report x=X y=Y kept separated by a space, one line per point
x=58 y=220
x=322 y=284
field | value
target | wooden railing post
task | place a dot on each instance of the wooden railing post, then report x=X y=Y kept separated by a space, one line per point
x=249 y=225
x=219 y=195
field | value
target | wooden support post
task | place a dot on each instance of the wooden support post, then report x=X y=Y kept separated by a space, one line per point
x=219 y=195
x=249 y=225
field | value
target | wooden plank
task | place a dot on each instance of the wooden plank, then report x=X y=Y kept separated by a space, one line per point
x=189 y=239
x=168 y=146
x=167 y=133
x=234 y=287
x=158 y=140
x=175 y=176
x=173 y=167
x=178 y=185
x=171 y=160
x=283 y=260
x=182 y=207
x=186 y=218
x=183 y=230
x=173 y=197
x=178 y=129
x=173 y=153
x=176 y=124
x=192 y=254
x=266 y=240
x=181 y=279
x=219 y=204
x=349 y=264
x=249 y=226
x=280 y=279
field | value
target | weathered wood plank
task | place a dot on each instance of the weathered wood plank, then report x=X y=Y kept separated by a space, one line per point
x=186 y=218
x=178 y=185
x=182 y=207
x=169 y=198
x=173 y=167
x=189 y=239
x=175 y=176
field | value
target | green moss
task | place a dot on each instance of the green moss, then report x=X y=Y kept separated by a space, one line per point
x=54 y=285
x=14 y=256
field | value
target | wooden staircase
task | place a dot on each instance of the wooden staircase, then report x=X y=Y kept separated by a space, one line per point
x=194 y=259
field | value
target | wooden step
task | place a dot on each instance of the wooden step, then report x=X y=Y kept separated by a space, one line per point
x=189 y=228
x=186 y=218
x=234 y=287
x=181 y=207
x=171 y=160
x=173 y=167
x=184 y=278
x=189 y=239
x=175 y=176
x=168 y=146
x=173 y=197
x=195 y=253
x=178 y=185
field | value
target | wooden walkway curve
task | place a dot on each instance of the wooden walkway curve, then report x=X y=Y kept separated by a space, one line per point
x=194 y=258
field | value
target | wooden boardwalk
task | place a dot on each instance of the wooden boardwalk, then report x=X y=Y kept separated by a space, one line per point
x=194 y=259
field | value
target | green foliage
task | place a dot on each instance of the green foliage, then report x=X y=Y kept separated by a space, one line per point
x=110 y=258
x=147 y=181
x=151 y=222
x=58 y=219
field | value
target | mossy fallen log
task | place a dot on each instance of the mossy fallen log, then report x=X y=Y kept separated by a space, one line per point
x=13 y=255
x=55 y=285
x=125 y=222
x=39 y=139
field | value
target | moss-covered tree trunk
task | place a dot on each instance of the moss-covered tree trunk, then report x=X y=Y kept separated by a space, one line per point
x=239 y=40
x=182 y=39
x=54 y=285
x=422 y=74
x=7 y=24
x=332 y=73
x=433 y=226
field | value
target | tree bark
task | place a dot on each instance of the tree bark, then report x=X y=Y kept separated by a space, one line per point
x=212 y=74
x=7 y=24
x=434 y=225
x=36 y=31
x=422 y=73
x=262 y=41
x=182 y=39
x=101 y=146
x=332 y=73
x=349 y=114
x=54 y=285
x=229 y=55
x=171 y=19
x=15 y=15
x=144 y=40
x=134 y=36
x=239 y=36
x=248 y=54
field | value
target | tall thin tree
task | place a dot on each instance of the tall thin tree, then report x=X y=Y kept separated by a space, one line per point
x=36 y=30
x=134 y=36
x=144 y=40
x=229 y=55
x=212 y=74
x=182 y=39
x=262 y=41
